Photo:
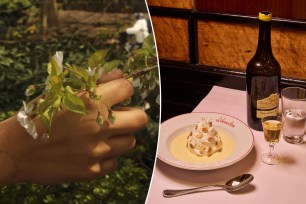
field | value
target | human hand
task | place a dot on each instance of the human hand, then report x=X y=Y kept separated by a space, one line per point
x=78 y=148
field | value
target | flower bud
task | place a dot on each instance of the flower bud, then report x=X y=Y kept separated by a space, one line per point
x=100 y=119
x=111 y=116
x=30 y=90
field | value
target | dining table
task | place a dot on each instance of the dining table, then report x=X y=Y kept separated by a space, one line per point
x=282 y=183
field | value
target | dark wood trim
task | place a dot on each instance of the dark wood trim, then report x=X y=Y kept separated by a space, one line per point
x=193 y=39
x=170 y=12
x=288 y=9
x=228 y=77
x=252 y=20
x=221 y=17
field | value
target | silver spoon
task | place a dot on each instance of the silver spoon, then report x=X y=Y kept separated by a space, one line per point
x=231 y=185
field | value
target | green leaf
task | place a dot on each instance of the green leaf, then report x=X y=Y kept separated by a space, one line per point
x=57 y=101
x=77 y=84
x=54 y=67
x=74 y=103
x=64 y=74
x=45 y=104
x=97 y=59
x=79 y=71
x=109 y=66
x=47 y=118
x=56 y=85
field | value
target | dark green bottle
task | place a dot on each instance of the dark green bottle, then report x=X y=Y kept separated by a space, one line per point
x=263 y=74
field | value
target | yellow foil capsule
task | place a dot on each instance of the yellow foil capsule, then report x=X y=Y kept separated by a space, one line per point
x=265 y=16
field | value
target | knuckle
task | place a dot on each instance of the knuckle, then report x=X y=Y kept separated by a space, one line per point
x=101 y=168
x=101 y=149
x=93 y=171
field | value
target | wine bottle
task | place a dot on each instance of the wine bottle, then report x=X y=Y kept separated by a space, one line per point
x=263 y=74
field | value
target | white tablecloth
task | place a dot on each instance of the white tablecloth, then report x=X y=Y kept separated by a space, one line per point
x=283 y=183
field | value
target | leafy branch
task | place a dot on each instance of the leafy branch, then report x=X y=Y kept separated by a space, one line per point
x=64 y=82
x=142 y=72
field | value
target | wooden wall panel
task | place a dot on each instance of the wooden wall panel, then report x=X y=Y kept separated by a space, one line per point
x=183 y=4
x=172 y=38
x=290 y=9
x=232 y=45
x=225 y=45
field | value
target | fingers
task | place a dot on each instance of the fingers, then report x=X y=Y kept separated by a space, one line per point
x=121 y=144
x=115 y=91
x=109 y=76
x=114 y=146
x=106 y=153
x=127 y=120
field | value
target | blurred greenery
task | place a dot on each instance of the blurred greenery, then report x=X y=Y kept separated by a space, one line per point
x=24 y=52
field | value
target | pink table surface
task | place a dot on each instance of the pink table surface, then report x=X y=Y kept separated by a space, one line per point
x=283 y=183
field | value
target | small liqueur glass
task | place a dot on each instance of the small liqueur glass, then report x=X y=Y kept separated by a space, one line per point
x=273 y=129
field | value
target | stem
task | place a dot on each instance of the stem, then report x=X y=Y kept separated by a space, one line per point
x=141 y=72
x=271 y=155
x=39 y=85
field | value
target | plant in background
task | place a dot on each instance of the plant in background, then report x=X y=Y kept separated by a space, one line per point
x=65 y=82
x=23 y=60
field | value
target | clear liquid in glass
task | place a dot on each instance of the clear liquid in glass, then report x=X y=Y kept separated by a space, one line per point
x=294 y=125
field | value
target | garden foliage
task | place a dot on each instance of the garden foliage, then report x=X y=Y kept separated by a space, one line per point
x=24 y=54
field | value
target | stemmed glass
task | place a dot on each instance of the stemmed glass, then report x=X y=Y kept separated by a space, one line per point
x=273 y=129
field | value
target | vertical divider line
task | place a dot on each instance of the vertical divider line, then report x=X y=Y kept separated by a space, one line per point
x=193 y=38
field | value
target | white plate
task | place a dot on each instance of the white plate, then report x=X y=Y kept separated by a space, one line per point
x=239 y=133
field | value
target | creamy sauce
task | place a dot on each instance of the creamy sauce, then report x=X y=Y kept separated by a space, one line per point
x=180 y=151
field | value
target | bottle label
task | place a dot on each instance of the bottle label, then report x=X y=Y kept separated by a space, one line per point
x=265 y=95
x=269 y=102
x=268 y=106
x=264 y=113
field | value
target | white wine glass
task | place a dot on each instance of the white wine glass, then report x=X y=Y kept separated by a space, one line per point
x=273 y=129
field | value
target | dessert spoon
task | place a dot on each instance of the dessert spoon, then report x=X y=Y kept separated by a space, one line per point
x=231 y=185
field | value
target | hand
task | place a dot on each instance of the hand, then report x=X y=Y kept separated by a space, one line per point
x=78 y=148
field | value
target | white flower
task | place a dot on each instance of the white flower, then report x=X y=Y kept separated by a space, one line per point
x=24 y=118
x=32 y=130
x=92 y=71
x=58 y=57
